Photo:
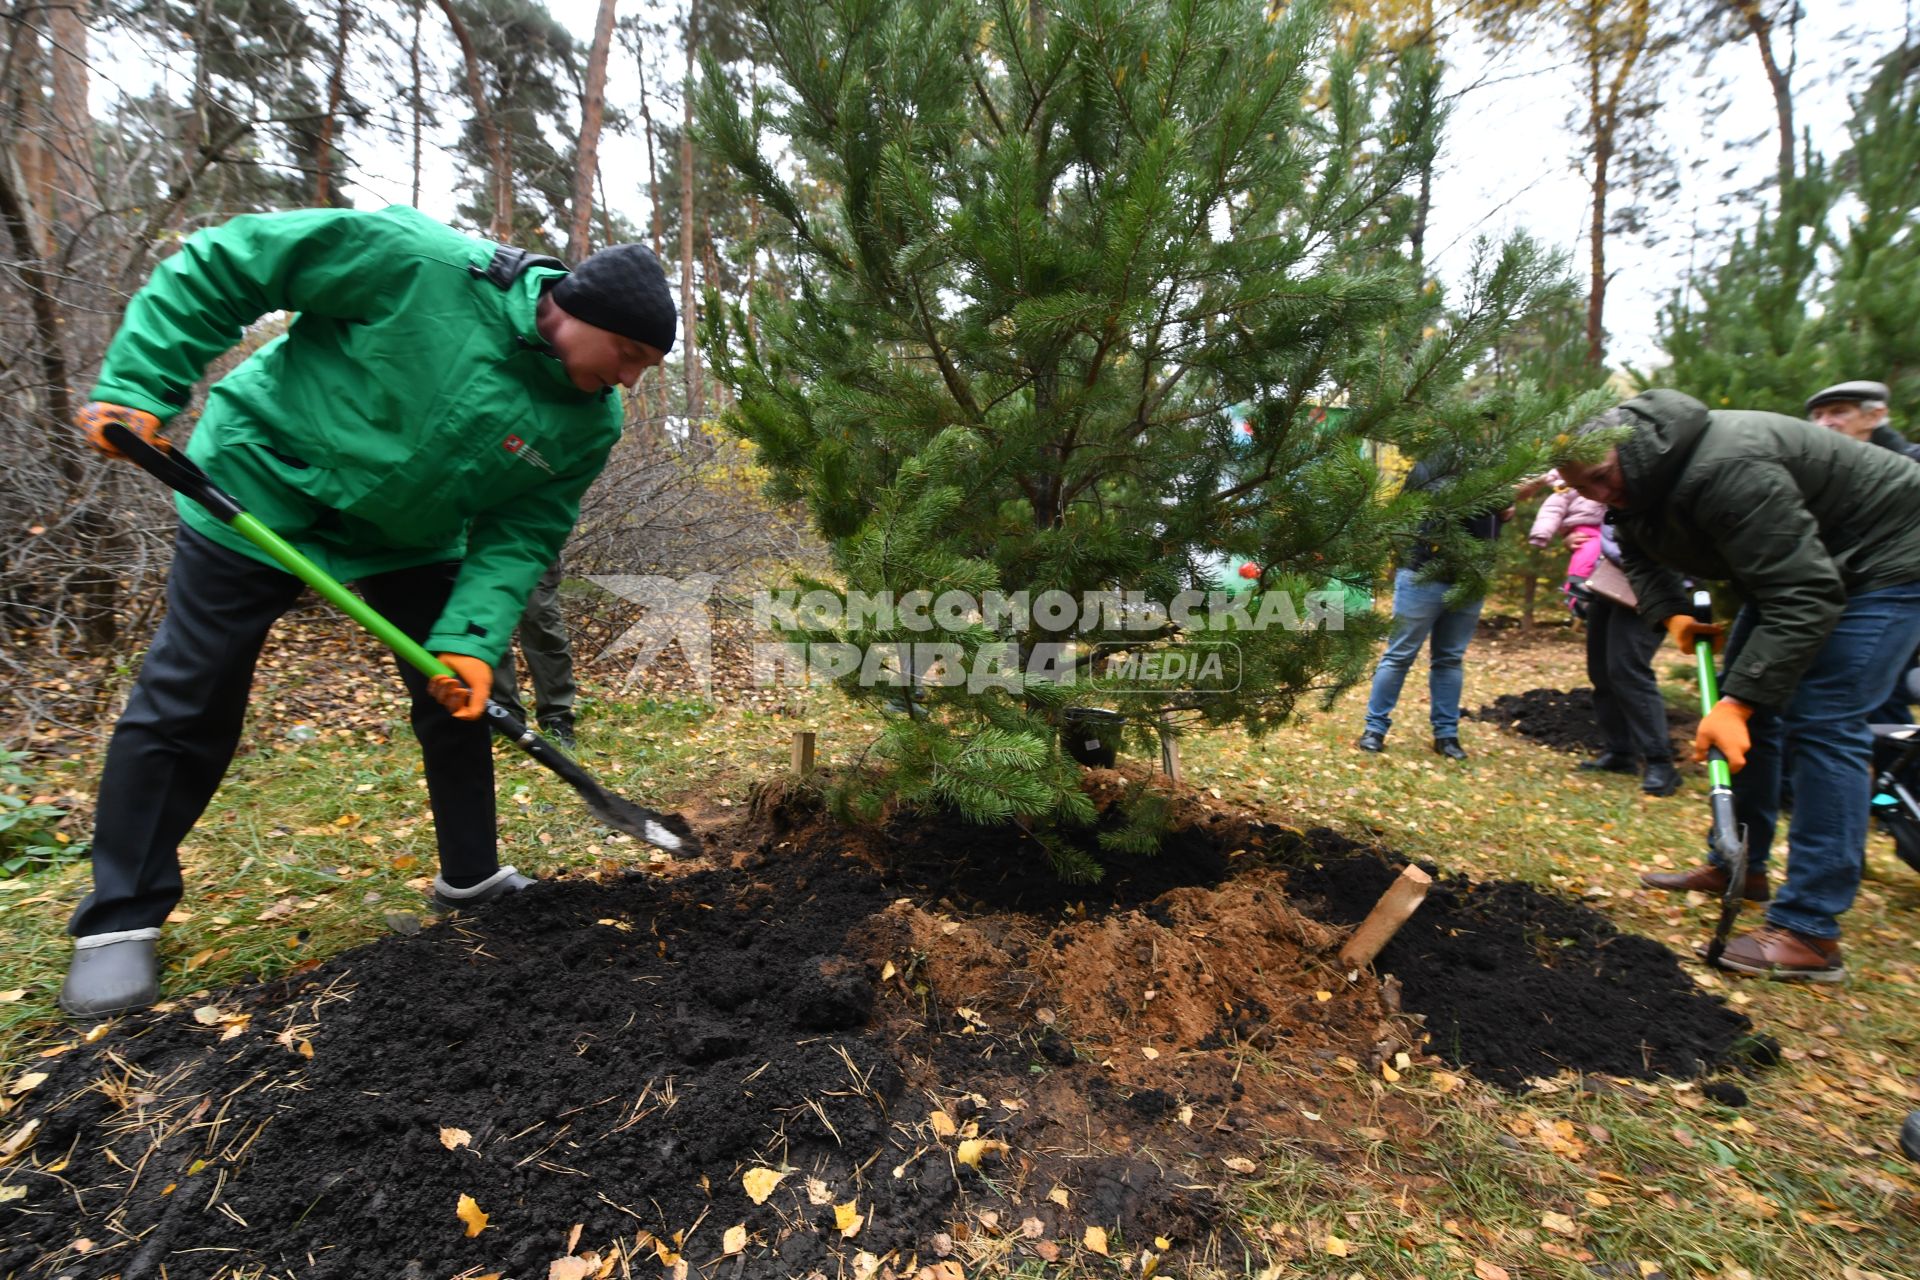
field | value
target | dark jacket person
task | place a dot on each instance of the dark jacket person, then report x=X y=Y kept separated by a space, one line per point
x=1818 y=533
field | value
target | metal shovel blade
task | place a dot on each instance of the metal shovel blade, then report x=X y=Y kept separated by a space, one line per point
x=1730 y=847
x=617 y=812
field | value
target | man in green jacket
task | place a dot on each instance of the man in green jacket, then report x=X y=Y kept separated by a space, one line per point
x=425 y=427
x=1817 y=532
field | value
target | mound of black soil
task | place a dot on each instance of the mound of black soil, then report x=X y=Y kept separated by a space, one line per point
x=1515 y=982
x=597 y=1065
x=1565 y=720
x=619 y=1055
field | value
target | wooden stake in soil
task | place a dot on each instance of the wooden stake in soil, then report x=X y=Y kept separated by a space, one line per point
x=1169 y=750
x=1402 y=898
x=803 y=751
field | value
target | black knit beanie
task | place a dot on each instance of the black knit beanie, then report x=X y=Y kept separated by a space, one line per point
x=623 y=290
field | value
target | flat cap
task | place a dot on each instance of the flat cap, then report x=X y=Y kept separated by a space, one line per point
x=1848 y=391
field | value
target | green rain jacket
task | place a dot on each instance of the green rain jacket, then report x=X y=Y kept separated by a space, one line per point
x=411 y=413
x=1800 y=518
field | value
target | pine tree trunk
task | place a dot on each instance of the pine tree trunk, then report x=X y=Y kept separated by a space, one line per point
x=72 y=121
x=587 y=164
x=690 y=357
x=501 y=228
x=1603 y=126
x=336 y=91
x=653 y=169
x=413 y=56
x=1780 y=81
x=30 y=156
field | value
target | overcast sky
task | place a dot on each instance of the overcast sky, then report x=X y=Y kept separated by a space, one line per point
x=1509 y=159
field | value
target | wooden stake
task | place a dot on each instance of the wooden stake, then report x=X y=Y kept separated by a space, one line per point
x=1169 y=750
x=803 y=751
x=1402 y=898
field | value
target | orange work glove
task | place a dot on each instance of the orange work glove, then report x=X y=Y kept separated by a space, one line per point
x=1686 y=630
x=466 y=697
x=1726 y=728
x=94 y=418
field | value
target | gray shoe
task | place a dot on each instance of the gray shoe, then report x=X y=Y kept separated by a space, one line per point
x=496 y=886
x=1910 y=1135
x=112 y=973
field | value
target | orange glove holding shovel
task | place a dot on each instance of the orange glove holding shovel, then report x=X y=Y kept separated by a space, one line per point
x=466 y=697
x=96 y=416
x=1725 y=725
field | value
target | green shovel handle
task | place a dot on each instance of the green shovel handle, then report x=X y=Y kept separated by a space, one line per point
x=185 y=476
x=323 y=582
x=1717 y=771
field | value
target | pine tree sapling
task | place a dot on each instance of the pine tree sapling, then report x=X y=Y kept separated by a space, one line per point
x=1056 y=243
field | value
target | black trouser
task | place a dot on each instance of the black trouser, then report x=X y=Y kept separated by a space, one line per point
x=1626 y=697
x=182 y=723
x=543 y=640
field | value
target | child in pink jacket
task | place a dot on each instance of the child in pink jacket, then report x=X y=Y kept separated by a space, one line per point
x=1565 y=514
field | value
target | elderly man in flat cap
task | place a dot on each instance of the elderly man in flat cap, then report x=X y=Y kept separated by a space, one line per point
x=425 y=427
x=1859 y=409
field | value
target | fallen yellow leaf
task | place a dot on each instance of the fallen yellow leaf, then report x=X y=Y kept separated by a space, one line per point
x=735 y=1239
x=760 y=1183
x=973 y=1149
x=8 y=997
x=469 y=1212
x=454 y=1139
x=1337 y=1247
x=569 y=1268
x=887 y=971
x=1239 y=1164
x=1059 y=1196
x=31 y=1080
x=1559 y=1223
x=1485 y=1270
x=1095 y=1240
x=847 y=1218
x=942 y=1123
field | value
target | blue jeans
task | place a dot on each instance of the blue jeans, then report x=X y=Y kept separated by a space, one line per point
x=1420 y=610
x=1823 y=733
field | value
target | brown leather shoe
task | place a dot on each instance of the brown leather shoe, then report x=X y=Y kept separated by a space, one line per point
x=1772 y=952
x=1708 y=879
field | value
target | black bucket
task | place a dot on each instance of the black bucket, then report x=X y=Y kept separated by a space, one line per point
x=1091 y=735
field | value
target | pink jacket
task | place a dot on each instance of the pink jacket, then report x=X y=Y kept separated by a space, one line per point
x=1562 y=512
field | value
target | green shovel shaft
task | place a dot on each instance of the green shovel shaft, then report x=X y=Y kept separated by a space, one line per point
x=321 y=581
x=1717 y=771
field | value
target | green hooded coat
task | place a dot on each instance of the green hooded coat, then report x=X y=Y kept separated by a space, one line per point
x=411 y=413
x=1800 y=518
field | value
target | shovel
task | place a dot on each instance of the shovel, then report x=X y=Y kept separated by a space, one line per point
x=182 y=475
x=1729 y=838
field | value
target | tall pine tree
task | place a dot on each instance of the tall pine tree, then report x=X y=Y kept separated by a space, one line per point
x=1065 y=238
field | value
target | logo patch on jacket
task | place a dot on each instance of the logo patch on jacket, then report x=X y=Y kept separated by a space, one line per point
x=525 y=452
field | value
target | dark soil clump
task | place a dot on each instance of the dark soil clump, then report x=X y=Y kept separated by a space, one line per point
x=1515 y=982
x=1565 y=720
